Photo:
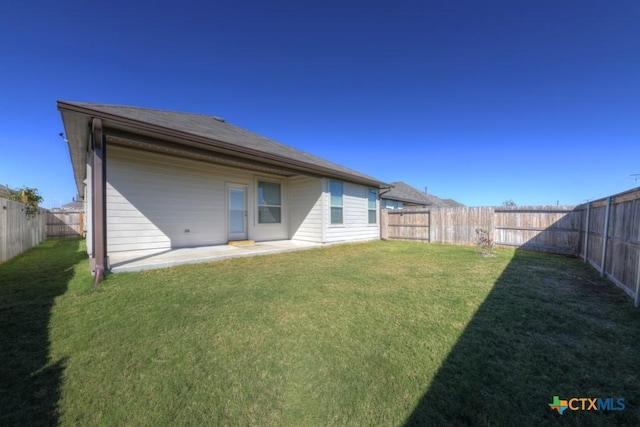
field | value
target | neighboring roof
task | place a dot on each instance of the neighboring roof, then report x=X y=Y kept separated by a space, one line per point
x=403 y=192
x=196 y=130
x=452 y=203
x=75 y=205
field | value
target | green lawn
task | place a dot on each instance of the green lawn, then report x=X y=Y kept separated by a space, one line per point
x=381 y=333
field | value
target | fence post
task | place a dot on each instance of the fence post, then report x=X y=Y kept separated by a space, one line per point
x=605 y=237
x=429 y=229
x=384 y=224
x=492 y=226
x=637 y=298
x=4 y=232
x=586 y=234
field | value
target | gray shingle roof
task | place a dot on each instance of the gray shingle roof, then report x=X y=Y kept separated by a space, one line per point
x=405 y=193
x=215 y=129
x=75 y=205
x=452 y=203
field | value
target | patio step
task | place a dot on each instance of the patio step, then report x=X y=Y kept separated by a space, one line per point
x=241 y=243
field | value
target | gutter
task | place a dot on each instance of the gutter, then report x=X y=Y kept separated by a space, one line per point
x=386 y=190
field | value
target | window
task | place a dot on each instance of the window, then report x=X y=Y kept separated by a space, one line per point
x=269 y=203
x=336 y=189
x=391 y=204
x=372 y=195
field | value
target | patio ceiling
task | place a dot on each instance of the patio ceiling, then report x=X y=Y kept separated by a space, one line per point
x=163 y=147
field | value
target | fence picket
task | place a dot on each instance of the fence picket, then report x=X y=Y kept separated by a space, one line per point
x=65 y=223
x=17 y=232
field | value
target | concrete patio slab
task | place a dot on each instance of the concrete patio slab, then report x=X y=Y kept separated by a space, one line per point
x=148 y=260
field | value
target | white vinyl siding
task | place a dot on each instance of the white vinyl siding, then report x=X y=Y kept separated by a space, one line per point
x=305 y=201
x=160 y=202
x=355 y=225
x=153 y=199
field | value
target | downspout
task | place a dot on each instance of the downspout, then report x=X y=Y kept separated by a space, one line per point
x=381 y=192
x=99 y=205
x=386 y=190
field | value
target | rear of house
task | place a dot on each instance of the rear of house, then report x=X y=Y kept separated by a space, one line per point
x=155 y=201
x=154 y=180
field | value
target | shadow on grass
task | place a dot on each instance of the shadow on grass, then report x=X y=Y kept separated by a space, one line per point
x=29 y=380
x=549 y=327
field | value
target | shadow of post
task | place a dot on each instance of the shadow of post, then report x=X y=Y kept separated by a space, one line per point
x=550 y=326
x=29 y=380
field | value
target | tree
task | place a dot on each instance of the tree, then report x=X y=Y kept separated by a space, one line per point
x=509 y=203
x=31 y=198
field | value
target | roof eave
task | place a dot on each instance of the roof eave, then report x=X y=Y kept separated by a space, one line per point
x=123 y=123
x=76 y=131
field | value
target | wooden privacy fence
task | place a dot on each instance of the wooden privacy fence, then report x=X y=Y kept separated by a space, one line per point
x=551 y=229
x=458 y=226
x=405 y=225
x=546 y=229
x=65 y=223
x=610 y=239
x=17 y=232
x=605 y=232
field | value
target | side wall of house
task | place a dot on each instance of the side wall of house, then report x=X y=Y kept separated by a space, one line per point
x=157 y=202
x=355 y=226
x=305 y=200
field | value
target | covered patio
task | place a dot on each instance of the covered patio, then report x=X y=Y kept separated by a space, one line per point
x=149 y=260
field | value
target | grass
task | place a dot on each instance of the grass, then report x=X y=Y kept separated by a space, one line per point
x=381 y=333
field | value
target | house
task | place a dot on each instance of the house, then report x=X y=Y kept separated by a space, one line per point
x=156 y=180
x=401 y=195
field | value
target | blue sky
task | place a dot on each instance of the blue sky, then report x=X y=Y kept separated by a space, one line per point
x=535 y=101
